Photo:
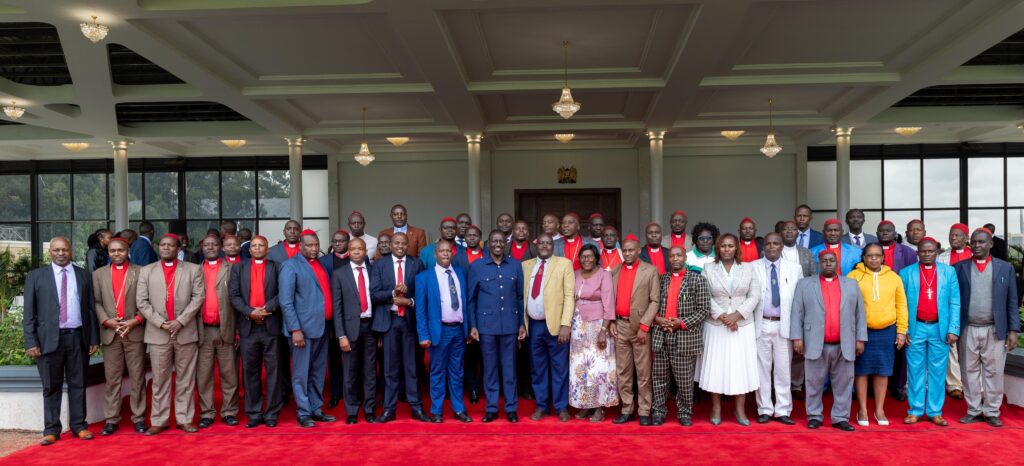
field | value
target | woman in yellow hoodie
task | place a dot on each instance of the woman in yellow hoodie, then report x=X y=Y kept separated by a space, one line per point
x=886 y=306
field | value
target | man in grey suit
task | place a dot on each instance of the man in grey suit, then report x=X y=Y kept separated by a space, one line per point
x=828 y=326
x=855 y=230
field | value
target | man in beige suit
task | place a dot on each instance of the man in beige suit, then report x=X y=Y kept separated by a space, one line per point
x=121 y=331
x=170 y=295
x=637 y=296
x=217 y=342
x=548 y=298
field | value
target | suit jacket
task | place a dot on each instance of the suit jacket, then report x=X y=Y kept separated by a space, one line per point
x=903 y=256
x=240 y=290
x=428 y=305
x=645 y=256
x=693 y=304
x=417 y=239
x=807 y=264
x=331 y=262
x=95 y=258
x=850 y=256
x=815 y=238
x=807 y=321
x=278 y=254
x=426 y=254
x=529 y=253
x=745 y=296
x=189 y=292
x=226 y=311
x=245 y=250
x=461 y=259
x=789 y=274
x=301 y=299
x=42 y=309
x=1004 y=295
x=383 y=285
x=106 y=303
x=644 y=299
x=347 y=308
x=560 y=245
x=868 y=239
x=559 y=291
x=999 y=248
x=948 y=298
x=141 y=252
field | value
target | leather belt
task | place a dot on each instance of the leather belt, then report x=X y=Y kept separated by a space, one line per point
x=927 y=321
x=67 y=331
x=776 y=319
x=210 y=325
x=452 y=324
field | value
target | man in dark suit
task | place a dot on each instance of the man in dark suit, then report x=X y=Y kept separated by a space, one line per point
x=142 y=253
x=855 y=234
x=462 y=258
x=306 y=304
x=336 y=258
x=353 y=319
x=253 y=291
x=60 y=334
x=520 y=247
x=999 y=248
x=653 y=252
x=245 y=236
x=442 y=329
x=416 y=238
x=290 y=247
x=394 y=285
x=806 y=237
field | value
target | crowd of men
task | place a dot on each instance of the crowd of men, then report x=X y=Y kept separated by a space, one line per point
x=496 y=313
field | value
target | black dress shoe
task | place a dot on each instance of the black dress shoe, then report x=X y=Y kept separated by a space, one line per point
x=371 y=418
x=622 y=419
x=333 y=403
x=321 y=417
x=528 y=396
x=230 y=421
x=351 y=420
x=645 y=421
x=513 y=417
x=306 y=422
x=108 y=429
x=253 y=422
x=463 y=417
x=993 y=421
x=844 y=426
x=657 y=421
x=436 y=418
x=387 y=416
x=685 y=422
x=970 y=419
x=140 y=427
x=474 y=397
x=489 y=417
x=899 y=395
x=785 y=420
x=205 y=422
x=763 y=419
x=419 y=415
x=271 y=423
x=813 y=424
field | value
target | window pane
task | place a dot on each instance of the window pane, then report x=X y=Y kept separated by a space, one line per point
x=273 y=230
x=90 y=196
x=239 y=194
x=159 y=228
x=866 y=184
x=901 y=218
x=977 y=218
x=871 y=221
x=201 y=193
x=314 y=193
x=15 y=198
x=197 y=231
x=1014 y=173
x=902 y=184
x=275 y=201
x=937 y=223
x=54 y=197
x=161 y=195
x=821 y=185
x=942 y=183
x=18 y=238
x=49 y=230
x=134 y=195
x=985 y=182
x=1015 y=220
x=80 y=232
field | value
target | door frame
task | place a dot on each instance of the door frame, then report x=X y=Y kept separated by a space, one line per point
x=617 y=192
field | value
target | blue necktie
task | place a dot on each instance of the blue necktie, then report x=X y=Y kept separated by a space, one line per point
x=803 y=239
x=776 y=300
x=452 y=290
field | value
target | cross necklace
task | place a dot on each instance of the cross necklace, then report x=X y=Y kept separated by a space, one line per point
x=928 y=284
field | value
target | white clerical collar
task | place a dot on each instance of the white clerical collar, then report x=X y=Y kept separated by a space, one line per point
x=290 y=245
x=654 y=248
x=213 y=262
x=829 y=279
x=119 y=267
x=928 y=267
x=170 y=264
x=258 y=261
x=629 y=267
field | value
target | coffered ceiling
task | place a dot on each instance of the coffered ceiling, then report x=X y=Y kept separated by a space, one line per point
x=176 y=76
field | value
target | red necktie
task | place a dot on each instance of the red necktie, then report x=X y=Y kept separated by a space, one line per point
x=537 y=279
x=363 y=305
x=400 y=280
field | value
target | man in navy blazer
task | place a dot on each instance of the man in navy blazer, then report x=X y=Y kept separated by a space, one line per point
x=653 y=248
x=141 y=252
x=305 y=297
x=443 y=326
x=806 y=237
x=989 y=326
x=394 y=316
x=353 y=319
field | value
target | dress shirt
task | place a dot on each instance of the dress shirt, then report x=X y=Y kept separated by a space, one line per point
x=74 y=303
x=803 y=238
x=462 y=241
x=767 y=309
x=401 y=229
x=791 y=253
x=857 y=240
x=448 y=315
x=535 y=306
x=366 y=277
x=405 y=264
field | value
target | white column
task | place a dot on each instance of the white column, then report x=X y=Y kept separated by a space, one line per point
x=473 y=149
x=121 y=183
x=657 y=138
x=842 y=170
x=295 y=176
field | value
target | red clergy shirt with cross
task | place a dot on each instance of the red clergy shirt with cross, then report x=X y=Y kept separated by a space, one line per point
x=672 y=300
x=928 y=295
x=831 y=294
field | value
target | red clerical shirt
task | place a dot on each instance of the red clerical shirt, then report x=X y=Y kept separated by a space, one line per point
x=169 y=282
x=748 y=251
x=832 y=296
x=928 y=295
x=211 y=306
x=957 y=256
x=572 y=251
x=610 y=258
x=838 y=249
x=657 y=259
x=325 y=286
x=257 y=275
x=119 y=278
x=624 y=289
x=232 y=259
x=890 y=254
x=672 y=300
x=472 y=256
x=679 y=240
x=518 y=249
x=982 y=264
x=291 y=249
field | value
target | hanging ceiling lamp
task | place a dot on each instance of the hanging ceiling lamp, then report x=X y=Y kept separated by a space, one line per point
x=76 y=146
x=364 y=156
x=565 y=106
x=13 y=111
x=564 y=138
x=233 y=143
x=94 y=31
x=732 y=135
x=397 y=141
x=907 y=131
x=770 y=147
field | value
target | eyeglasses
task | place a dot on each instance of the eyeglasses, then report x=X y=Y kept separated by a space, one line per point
x=705 y=238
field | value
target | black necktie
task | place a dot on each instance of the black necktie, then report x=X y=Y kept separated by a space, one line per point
x=452 y=290
x=776 y=300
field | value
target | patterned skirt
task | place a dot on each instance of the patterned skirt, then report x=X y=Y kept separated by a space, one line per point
x=879 y=353
x=592 y=381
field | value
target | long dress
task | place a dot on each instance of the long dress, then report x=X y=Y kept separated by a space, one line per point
x=592 y=380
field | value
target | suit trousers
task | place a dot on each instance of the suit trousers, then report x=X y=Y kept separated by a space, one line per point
x=499 y=351
x=774 y=354
x=831 y=365
x=446 y=365
x=953 y=378
x=898 y=380
x=179 y=359
x=400 y=362
x=549 y=367
x=261 y=349
x=927 y=357
x=309 y=369
x=214 y=349
x=796 y=372
x=474 y=367
x=671 y=364
x=982 y=358
x=630 y=355
x=335 y=370
x=361 y=359
x=67 y=362
x=118 y=355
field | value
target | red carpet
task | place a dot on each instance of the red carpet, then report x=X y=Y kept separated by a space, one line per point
x=549 y=441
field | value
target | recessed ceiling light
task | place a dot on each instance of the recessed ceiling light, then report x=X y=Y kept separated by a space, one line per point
x=733 y=135
x=398 y=141
x=76 y=146
x=907 y=130
x=233 y=143
x=564 y=138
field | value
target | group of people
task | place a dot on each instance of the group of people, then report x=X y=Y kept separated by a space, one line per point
x=582 y=316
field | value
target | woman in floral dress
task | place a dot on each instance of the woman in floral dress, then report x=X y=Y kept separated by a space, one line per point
x=592 y=352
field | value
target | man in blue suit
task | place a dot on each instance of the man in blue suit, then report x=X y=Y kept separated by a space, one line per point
x=394 y=315
x=495 y=302
x=849 y=255
x=933 y=303
x=806 y=237
x=141 y=252
x=305 y=298
x=989 y=307
x=440 y=292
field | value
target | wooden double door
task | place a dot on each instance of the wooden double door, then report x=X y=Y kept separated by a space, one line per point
x=533 y=204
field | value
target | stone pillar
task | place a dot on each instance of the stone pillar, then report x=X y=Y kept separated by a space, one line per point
x=473 y=149
x=657 y=139
x=842 y=170
x=120 y=183
x=295 y=176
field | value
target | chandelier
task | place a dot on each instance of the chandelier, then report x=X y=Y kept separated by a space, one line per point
x=733 y=135
x=564 y=138
x=396 y=141
x=233 y=143
x=907 y=130
x=13 y=111
x=364 y=156
x=76 y=146
x=94 y=31
x=565 y=106
x=770 y=147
